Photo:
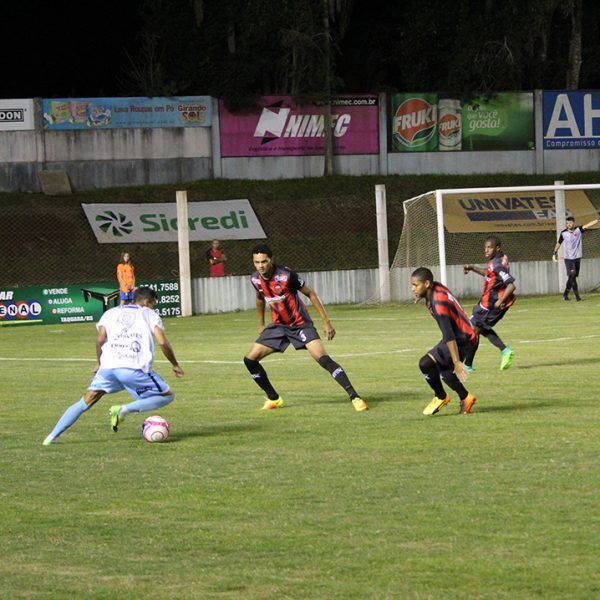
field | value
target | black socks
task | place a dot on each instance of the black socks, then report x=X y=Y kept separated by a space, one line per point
x=260 y=376
x=338 y=374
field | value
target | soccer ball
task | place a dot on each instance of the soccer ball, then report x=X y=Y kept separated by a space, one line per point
x=155 y=429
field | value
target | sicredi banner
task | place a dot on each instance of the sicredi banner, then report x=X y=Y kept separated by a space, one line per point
x=571 y=120
x=280 y=127
x=497 y=212
x=121 y=113
x=16 y=115
x=76 y=302
x=122 y=223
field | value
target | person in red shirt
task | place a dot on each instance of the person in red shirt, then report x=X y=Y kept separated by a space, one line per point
x=458 y=338
x=126 y=278
x=278 y=287
x=216 y=259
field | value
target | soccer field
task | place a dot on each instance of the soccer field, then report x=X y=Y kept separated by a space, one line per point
x=313 y=500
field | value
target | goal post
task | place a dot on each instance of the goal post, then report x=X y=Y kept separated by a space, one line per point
x=445 y=229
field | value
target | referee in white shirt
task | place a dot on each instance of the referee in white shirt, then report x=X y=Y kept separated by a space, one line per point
x=572 y=237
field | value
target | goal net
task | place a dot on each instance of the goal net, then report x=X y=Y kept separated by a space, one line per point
x=445 y=229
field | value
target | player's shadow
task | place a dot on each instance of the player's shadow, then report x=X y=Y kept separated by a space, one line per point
x=557 y=363
x=373 y=401
x=518 y=405
x=212 y=430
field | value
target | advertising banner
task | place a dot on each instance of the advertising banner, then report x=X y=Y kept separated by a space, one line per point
x=511 y=211
x=16 y=115
x=436 y=122
x=121 y=113
x=76 y=303
x=279 y=127
x=571 y=120
x=414 y=122
x=226 y=220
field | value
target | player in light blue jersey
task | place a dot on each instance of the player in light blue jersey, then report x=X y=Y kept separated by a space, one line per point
x=125 y=351
x=572 y=240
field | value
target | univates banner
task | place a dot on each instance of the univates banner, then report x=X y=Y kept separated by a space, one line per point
x=511 y=211
x=225 y=220
x=436 y=122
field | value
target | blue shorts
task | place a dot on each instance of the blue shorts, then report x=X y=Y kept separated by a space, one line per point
x=127 y=296
x=139 y=384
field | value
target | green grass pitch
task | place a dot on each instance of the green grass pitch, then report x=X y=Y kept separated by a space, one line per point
x=313 y=500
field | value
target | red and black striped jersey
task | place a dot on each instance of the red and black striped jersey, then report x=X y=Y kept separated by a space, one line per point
x=450 y=315
x=280 y=292
x=497 y=277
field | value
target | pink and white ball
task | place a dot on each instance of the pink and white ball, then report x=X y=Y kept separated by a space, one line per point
x=155 y=429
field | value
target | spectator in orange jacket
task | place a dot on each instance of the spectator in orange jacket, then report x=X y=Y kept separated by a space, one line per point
x=126 y=278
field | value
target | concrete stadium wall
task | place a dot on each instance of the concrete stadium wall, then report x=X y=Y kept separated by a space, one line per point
x=531 y=277
x=109 y=158
x=121 y=157
x=225 y=294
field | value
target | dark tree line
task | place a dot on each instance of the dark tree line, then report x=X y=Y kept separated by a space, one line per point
x=243 y=48
x=239 y=49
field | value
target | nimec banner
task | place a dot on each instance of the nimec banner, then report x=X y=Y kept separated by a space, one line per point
x=280 y=127
x=121 y=113
x=571 y=120
x=225 y=220
x=497 y=212
x=436 y=122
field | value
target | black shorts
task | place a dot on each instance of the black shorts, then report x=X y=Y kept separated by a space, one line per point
x=486 y=319
x=442 y=357
x=279 y=337
x=572 y=265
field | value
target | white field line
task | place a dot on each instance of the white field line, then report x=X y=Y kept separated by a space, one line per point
x=193 y=362
x=273 y=359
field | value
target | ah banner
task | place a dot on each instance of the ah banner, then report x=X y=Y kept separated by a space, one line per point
x=76 y=303
x=226 y=220
x=16 y=115
x=510 y=211
x=571 y=120
x=120 y=113
x=280 y=127
x=435 y=122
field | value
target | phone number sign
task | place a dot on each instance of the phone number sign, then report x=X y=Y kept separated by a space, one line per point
x=76 y=303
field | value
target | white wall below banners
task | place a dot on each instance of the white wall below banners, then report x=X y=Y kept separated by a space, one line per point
x=127 y=144
x=561 y=161
x=460 y=163
x=226 y=294
x=291 y=167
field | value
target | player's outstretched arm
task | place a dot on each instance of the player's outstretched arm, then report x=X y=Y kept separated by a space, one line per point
x=316 y=302
x=167 y=350
x=467 y=268
x=591 y=224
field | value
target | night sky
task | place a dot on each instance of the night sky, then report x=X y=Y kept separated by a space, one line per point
x=58 y=48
